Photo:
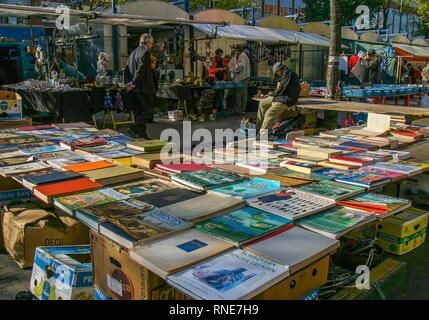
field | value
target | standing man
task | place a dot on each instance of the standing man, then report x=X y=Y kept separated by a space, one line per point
x=241 y=75
x=425 y=74
x=372 y=63
x=140 y=82
x=281 y=104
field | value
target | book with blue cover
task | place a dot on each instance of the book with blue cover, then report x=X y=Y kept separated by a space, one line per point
x=248 y=189
x=32 y=180
x=391 y=166
x=37 y=150
x=242 y=225
x=365 y=179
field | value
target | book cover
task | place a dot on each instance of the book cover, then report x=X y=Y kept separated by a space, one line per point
x=207 y=179
x=290 y=203
x=115 y=174
x=391 y=166
x=113 y=210
x=109 y=147
x=231 y=276
x=83 y=142
x=354 y=144
x=422 y=166
x=394 y=176
x=335 y=222
x=149 y=225
x=332 y=189
x=168 y=197
x=248 y=189
x=299 y=175
x=54 y=155
x=242 y=225
x=203 y=207
x=147 y=145
x=19 y=139
x=167 y=256
x=92 y=198
x=365 y=179
x=377 y=203
x=23 y=168
x=389 y=154
x=36 y=150
x=47 y=191
x=88 y=166
x=300 y=166
x=294 y=247
x=61 y=163
x=144 y=187
x=354 y=159
x=40 y=179
x=15 y=160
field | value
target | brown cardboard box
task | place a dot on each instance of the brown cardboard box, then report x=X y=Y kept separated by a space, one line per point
x=298 y=284
x=121 y=278
x=27 y=227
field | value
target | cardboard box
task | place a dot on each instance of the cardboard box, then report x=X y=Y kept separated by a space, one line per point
x=62 y=273
x=27 y=227
x=119 y=277
x=10 y=106
x=299 y=284
x=403 y=232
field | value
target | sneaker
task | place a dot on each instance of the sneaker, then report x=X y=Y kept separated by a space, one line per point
x=212 y=117
x=201 y=119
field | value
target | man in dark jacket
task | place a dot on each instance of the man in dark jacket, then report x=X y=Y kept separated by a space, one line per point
x=281 y=105
x=139 y=76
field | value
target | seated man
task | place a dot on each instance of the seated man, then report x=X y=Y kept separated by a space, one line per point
x=279 y=106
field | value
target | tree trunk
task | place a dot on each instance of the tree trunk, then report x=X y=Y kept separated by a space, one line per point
x=334 y=49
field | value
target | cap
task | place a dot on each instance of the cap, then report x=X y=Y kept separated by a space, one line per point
x=277 y=66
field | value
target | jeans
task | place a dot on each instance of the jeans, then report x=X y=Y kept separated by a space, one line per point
x=218 y=102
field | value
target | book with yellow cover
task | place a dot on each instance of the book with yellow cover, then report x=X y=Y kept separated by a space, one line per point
x=113 y=175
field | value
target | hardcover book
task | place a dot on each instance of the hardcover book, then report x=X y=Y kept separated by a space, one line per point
x=23 y=168
x=248 y=189
x=51 y=190
x=231 y=276
x=143 y=227
x=354 y=144
x=290 y=203
x=207 y=179
x=203 y=207
x=170 y=255
x=71 y=203
x=30 y=181
x=147 y=145
x=332 y=189
x=377 y=203
x=168 y=197
x=88 y=166
x=336 y=222
x=115 y=174
x=294 y=247
x=181 y=167
x=242 y=225
x=353 y=159
x=306 y=168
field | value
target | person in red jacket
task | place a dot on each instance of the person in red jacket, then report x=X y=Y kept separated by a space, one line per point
x=218 y=71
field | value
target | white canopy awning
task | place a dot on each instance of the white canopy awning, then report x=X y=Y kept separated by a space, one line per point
x=412 y=50
x=252 y=33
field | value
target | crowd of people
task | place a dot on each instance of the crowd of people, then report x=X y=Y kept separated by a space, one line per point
x=414 y=75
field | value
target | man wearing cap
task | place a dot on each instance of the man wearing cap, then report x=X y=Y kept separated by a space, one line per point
x=280 y=105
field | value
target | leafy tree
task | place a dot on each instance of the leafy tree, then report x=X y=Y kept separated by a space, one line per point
x=196 y=5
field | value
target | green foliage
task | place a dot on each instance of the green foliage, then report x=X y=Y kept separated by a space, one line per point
x=318 y=10
x=197 y=5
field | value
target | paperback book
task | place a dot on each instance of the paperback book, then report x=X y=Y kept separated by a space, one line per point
x=379 y=204
x=23 y=168
x=364 y=179
x=242 y=225
x=168 y=197
x=332 y=189
x=336 y=222
x=207 y=179
x=395 y=167
x=290 y=203
x=144 y=187
x=248 y=189
x=231 y=276
x=142 y=227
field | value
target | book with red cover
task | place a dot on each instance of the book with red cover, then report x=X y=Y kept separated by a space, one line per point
x=181 y=167
x=352 y=159
x=48 y=191
x=88 y=166
x=406 y=135
x=84 y=142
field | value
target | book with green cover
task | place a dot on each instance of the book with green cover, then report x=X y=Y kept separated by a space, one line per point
x=71 y=203
x=242 y=225
x=379 y=204
x=144 y=187
x=332 y=189
x=302 y=176
x=248 y=189
x=147 y=145
x=207 y=179
x=336 y=222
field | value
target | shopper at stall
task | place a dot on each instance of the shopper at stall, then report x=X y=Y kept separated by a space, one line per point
x=218 y=72
x=372 y=63
x=279 y=106
x=425 y=74
x=241 y=75
x=140 y=81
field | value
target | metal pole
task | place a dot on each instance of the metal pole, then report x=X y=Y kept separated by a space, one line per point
x=114 y=42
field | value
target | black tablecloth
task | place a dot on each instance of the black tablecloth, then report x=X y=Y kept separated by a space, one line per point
x=68 y=106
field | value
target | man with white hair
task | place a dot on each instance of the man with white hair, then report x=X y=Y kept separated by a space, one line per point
x=140 y=81
x=280 y=105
